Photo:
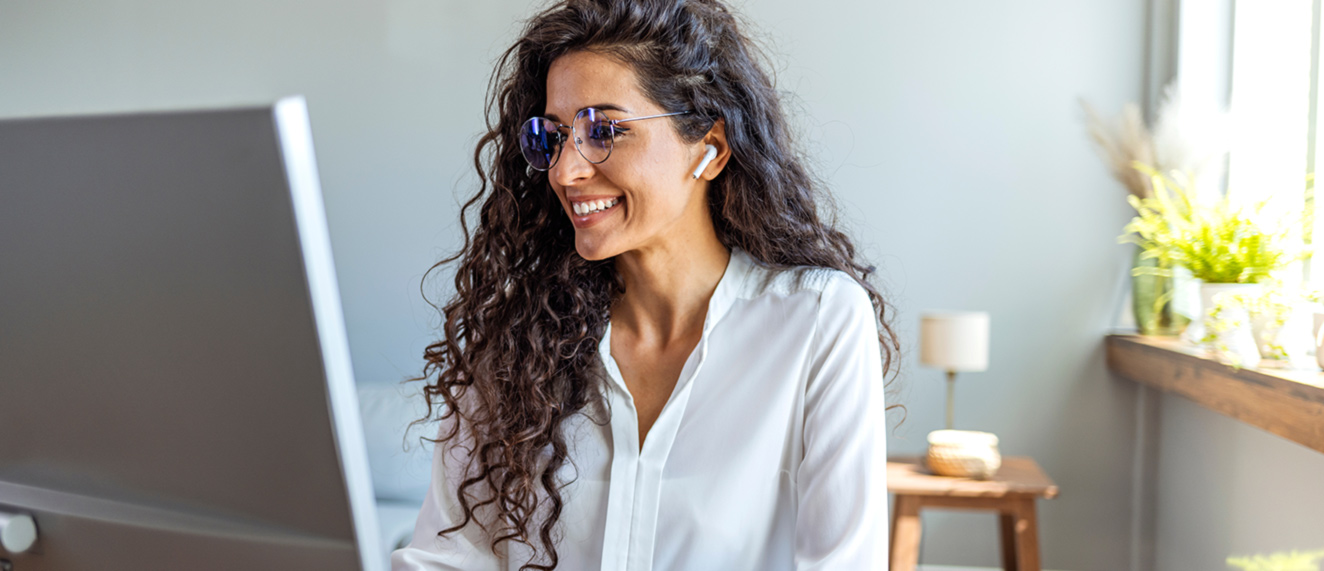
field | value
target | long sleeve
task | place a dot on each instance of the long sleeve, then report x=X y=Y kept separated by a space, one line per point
x=842 y=481
x=464 y=550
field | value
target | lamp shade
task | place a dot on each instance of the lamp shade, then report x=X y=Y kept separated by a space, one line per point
x=954 y=340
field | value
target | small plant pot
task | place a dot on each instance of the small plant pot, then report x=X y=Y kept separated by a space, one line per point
x=1319 y=338
x=1208 y=292
x=1285 y=342
x=1236 y=346
x=1229 y=333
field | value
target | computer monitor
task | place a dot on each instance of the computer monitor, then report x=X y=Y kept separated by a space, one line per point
x=175 y=382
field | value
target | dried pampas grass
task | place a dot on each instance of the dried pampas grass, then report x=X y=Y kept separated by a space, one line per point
x=1188 y=138
x=1122 y=146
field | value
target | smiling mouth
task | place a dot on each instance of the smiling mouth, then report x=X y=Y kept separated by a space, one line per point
x=593 y=206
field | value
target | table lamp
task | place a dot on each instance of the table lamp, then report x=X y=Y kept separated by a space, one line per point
x=958 y=342
x=954 y=342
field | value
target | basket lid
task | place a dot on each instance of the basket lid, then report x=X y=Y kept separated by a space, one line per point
x=963 y=438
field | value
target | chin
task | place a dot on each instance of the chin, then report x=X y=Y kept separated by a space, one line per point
x=594 y=251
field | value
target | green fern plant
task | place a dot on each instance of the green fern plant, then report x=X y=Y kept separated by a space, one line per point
x=1218 y=243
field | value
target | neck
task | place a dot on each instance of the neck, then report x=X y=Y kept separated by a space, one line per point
x=667 y=288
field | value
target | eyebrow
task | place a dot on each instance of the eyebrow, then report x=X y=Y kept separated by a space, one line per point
x=599 y=106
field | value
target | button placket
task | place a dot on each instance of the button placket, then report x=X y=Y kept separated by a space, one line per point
x=635 y=490
x=648 y=490
x=634 y=493
x=618 y=537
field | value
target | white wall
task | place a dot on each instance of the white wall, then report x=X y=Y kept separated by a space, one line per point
x=948 y=129
x=989 y=197
x=1229 y=489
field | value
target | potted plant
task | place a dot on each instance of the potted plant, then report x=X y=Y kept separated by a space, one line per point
x=1184 y=137
x=1227 y=331
x=1229 y=249
x=1280 y=319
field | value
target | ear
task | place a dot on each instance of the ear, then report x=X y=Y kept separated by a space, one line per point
x=716 y=137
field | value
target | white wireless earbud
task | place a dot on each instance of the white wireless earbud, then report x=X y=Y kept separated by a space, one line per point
x=707 y=158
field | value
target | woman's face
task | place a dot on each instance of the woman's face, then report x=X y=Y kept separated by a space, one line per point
x=658 y=204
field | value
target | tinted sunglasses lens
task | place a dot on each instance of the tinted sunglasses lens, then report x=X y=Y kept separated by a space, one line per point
x=539 y=141
x=595 y=134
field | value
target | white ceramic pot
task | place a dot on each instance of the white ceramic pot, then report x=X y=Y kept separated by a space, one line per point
x=1319 y=338
x=1294 y=337
x=1195 y=332
x=1237 y=346
x=1264 y=334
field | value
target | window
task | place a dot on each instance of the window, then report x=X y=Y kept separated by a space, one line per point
x=1260 y=58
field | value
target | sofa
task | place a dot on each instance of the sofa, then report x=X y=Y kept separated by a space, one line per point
x=399 y=458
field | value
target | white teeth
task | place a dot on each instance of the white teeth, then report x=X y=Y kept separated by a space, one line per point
x=583 y=208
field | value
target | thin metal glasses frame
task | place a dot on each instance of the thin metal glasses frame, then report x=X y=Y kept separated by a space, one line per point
x=610 y=123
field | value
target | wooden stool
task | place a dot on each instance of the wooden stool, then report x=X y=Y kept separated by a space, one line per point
x=1011 y=493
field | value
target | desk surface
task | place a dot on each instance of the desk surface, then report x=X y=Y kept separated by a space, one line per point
x=1019 y=475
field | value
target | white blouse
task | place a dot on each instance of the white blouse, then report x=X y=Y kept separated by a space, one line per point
x=769 y=455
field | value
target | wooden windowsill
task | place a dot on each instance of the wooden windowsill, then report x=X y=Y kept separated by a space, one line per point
x=1289 y=403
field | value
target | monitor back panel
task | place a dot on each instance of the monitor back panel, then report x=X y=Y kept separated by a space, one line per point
x=163 y=395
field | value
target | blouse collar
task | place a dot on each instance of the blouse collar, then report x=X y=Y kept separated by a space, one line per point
x=729 y=288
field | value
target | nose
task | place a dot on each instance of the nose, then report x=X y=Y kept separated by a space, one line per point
x=571 y=168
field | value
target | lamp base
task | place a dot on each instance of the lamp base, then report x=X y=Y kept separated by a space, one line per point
x=963 y=454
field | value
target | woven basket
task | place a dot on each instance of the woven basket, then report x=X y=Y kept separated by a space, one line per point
x=963 y=454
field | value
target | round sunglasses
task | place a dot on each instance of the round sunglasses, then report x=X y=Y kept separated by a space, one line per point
x=594 y=133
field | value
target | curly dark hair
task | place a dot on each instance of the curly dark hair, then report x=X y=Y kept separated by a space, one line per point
x=520 y=335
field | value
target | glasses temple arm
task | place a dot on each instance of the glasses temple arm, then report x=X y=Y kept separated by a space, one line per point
x=650 y=117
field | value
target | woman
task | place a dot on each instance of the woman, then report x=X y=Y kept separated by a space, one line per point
x=658 y=355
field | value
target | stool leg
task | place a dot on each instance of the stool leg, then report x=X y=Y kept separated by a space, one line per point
x=1019 y=528
x=1027 y=541
x=905 y=534
x=1007 y=533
